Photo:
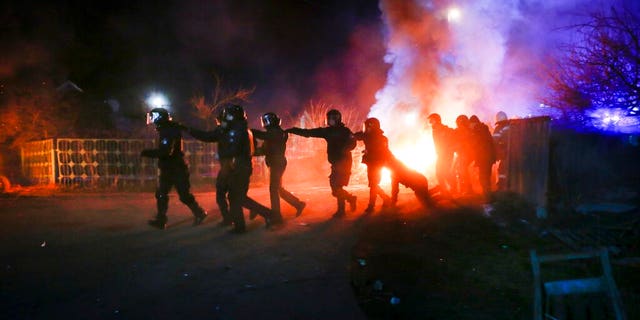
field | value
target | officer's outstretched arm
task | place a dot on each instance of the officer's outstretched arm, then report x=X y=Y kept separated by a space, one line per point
x=205 y=136
x=315 y=133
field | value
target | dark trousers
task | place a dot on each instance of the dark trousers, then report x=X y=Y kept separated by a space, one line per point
x=178 y=177
x=222 y=199
x=374 y=175
x=444 y=173
x=276 y=191
x=338 y=179
x=238 y=186
x=222 y=191
x=464 y=178
x=484 y=175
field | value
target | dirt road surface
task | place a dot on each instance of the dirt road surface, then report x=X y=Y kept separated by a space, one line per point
x=92 y=256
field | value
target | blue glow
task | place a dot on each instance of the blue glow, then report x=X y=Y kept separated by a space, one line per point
x=613 y=120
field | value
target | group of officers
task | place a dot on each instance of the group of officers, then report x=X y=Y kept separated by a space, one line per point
x=236 y=147
x=471 y=144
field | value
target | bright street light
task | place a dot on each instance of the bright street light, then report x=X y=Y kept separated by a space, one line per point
x=157 y=100
x=454 y=14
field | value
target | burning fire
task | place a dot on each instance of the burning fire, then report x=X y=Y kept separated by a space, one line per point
x=415 y=148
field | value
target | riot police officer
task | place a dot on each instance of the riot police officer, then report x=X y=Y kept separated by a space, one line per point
x=235 y=148
x=484 y=154
x=376 y=155
x=274 y=148
x=443 y=140
x=222 y=189
x=340 y=142
x=173 y=169
x=464 y=154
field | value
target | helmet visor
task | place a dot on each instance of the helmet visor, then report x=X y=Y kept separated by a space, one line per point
x=154 y=117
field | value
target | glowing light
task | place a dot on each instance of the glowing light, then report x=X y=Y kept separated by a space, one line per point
x=157 y=100
x=411 y=118
x=416 y=152
x=454 y=14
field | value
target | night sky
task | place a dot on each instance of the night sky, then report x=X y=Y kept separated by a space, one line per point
x=290 y=51
x=389 y=57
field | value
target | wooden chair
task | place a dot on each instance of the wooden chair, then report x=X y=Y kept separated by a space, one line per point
x=545 y=291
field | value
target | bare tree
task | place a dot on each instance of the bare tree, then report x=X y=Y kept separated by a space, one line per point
x=207 y=109
x=314 y=116
x=601 y=67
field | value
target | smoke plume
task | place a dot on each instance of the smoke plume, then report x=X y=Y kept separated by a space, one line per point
x=470 y=56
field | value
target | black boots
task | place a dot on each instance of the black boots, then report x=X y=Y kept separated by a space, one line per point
x=300 y=207
x=160 y=222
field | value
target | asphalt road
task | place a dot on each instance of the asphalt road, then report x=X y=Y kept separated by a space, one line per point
x=92 y=256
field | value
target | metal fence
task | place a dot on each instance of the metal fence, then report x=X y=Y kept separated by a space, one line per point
x=112 y=162
x=528 y=159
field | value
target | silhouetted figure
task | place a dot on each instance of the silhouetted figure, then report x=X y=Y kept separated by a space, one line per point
x=340 y=142
x=173 y=169
x=376 y=155
x=501 y=143
x=235 y=149
x=222 y=185
x=274 y=148
x=484 y=154
x=464 y=154
x=401 y=174
x=444 y=142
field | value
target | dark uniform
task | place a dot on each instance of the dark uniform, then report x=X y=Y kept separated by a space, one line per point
x=222 y=188
x=340 y=142
x=274 y=148
x=376 y=155
x=444 y=142
x=484 y=154
x=501 y=143
x=235 y=148
x=173 y=169
x=464 y=153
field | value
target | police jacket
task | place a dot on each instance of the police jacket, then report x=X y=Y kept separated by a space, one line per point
x=340 y=141
x=443 y=139
x=207 y=136
x=501 y=138
x=483 y=148
x=376 y=152
x=169 y=151
x=235 y=146
x=275 y=144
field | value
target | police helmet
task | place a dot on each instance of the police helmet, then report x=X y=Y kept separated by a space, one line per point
x=234 y=112
x=462 y=121
x=270 y=119
x=501 y=116
x=334 y=118
x=371 y=125
x=434 y=118
x=158 y=116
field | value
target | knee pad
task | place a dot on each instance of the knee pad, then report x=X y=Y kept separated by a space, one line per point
x=162 y=196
